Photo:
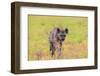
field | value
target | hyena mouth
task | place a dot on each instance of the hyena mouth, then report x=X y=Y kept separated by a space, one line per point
x=62 y=39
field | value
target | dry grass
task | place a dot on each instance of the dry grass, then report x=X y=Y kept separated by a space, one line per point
x=69 y=51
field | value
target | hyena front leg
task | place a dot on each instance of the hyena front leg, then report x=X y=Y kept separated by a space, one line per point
x=59 y=51
x=59 y=55
x=53 y=53
x=52 y=50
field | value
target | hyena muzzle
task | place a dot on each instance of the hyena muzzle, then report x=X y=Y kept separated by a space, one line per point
x=56 y=38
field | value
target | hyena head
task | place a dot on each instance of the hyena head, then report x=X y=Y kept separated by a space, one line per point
x=62 y=33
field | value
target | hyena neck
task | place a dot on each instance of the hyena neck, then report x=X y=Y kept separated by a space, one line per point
x=59 y=41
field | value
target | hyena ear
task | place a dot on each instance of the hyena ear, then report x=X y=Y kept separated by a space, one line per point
x=58 y=30
x=66 y=30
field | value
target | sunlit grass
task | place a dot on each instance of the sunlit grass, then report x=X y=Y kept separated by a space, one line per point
x=75 y=45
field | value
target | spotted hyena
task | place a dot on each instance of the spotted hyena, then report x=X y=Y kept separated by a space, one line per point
x=56 y=38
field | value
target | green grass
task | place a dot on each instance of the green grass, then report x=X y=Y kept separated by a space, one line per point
x=75 y=45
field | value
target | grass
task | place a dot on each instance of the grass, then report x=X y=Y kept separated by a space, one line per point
x=75 y=45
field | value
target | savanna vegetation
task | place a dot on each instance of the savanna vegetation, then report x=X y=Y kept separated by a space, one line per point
x=74 y=47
